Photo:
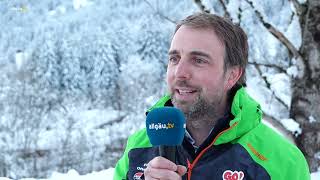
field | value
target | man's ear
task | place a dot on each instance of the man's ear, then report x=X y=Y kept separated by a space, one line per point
x=233 y=75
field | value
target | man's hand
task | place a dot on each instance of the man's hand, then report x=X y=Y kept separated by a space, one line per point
x=162 y=168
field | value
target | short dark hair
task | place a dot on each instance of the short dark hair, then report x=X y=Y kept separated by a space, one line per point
x=231 y=35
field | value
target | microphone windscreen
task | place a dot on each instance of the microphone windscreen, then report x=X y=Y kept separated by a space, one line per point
x=166 y=126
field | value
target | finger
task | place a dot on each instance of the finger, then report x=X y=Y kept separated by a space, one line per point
x=181 y=170
x=149 y=178
x=162 y=163
x=153 y=173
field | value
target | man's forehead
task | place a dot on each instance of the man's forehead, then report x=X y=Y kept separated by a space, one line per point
x=196 y=41
x=186 y=31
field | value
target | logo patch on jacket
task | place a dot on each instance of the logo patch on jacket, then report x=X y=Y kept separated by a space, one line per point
x=138 y=176
x=232 y=175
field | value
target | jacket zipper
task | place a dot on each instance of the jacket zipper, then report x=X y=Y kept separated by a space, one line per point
x=191 y=165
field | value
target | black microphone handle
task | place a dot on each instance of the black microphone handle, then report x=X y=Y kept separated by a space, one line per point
x=168 y=152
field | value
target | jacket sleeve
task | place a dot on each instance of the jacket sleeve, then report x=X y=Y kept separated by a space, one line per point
x=122 y=166
x=137 y=140
x=301 y=170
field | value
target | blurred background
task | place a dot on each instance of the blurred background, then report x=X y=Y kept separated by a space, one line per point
x=78 y=75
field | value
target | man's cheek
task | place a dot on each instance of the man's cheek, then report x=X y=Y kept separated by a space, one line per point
x=171 y=91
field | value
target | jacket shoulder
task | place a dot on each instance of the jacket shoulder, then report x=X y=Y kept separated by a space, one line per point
x=137 y=140
x=281 y=158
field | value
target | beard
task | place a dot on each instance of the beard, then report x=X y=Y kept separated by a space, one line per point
x=202 y=108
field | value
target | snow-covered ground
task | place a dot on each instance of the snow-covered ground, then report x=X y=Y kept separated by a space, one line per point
x=104 y=175
x=315 y=176
x=74 y=175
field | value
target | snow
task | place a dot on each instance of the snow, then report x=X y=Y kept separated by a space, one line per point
x=280 y=85
x=315 y=175
x=293 y=71
x=77 y=4
x=233 y=8
x=19 y=59
x=292 y=30
x=292 y=126
x=266 y=97
x=60 y=9
x=302 y=1
x=21 y=8
x=73 y=174
x=89 y=122
x=312 y=119
x=151 y=100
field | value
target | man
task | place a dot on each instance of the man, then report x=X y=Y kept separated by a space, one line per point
x=225 y=138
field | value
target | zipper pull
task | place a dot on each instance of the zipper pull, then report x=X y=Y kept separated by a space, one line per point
x=189 y=164
x=189 y=169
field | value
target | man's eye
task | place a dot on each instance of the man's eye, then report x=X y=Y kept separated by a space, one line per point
x=173 y=60
x=199 y=61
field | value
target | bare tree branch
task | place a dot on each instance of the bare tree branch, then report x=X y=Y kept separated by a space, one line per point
x=275 y=32
x=226 y=12
x=159 y=13
x=201 y=6
x=279 y=68
x=305 y=25
x=291 y=20
x=298 y=6
x=110 y=123
x=264 y=78
x=282 y=38
x=240 y=15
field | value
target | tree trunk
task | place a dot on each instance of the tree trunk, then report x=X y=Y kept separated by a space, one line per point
x=305 y=105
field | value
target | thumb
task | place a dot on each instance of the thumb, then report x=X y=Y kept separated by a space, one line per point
x=181 y=170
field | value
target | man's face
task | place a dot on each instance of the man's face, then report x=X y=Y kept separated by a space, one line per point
x=196 y=78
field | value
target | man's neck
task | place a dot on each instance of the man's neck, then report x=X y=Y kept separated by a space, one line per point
x=200 y=128
x=198 y=132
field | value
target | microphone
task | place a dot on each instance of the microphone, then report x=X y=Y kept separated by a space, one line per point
x=165 y=129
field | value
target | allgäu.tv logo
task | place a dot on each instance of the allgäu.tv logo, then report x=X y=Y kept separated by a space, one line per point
x=158 y=126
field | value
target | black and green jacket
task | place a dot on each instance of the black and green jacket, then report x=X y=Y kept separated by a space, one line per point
x=239 y=148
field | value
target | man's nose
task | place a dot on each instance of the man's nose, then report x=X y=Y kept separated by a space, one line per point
x=183 y=70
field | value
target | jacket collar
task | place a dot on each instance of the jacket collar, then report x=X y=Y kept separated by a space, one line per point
x=246 y=111
x=247 y=115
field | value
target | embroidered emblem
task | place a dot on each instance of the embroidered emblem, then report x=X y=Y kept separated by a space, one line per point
x=138 y=176
x=232 y=175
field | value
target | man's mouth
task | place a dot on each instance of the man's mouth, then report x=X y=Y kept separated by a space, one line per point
x=185 y=94
x=185 y=91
